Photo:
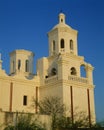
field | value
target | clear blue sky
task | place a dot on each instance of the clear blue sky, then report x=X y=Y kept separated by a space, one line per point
x=24 y=25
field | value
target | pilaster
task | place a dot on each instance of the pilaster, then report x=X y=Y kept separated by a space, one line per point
x=89 y=73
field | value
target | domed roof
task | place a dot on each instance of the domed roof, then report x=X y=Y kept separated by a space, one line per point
x=60 y=25
x=61 y=22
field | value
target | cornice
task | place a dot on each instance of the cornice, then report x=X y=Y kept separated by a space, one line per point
x=32 y=82
x=67 y=83
x=77 y=84
x=72 y=56
x=53 y=84
x=22 y=51
x=65 y=58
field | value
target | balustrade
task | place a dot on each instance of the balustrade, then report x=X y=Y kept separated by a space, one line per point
x=78 y=79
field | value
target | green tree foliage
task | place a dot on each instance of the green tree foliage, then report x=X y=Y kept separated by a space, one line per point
x=25 y=122
x=53 y=107
x=80 y=121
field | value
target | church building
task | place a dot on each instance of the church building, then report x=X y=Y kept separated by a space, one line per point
x=59 y=74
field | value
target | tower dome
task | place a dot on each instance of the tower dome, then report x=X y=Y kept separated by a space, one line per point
x=62 y=38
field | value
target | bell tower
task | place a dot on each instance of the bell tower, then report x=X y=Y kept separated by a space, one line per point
x=61 y=72
x=21 y=61
x=62 y=38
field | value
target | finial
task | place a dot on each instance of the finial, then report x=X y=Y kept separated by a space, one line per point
x=61 y=11
x=61 y=17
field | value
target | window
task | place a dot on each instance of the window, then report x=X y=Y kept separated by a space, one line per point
x=19 y=64
x=83 y=71
x=73 y=71
x=61 y=20
x=62 y=43
x=27 y=65
x=53 y=45
x=71 y=44
x=53 y=72
x=25 y=100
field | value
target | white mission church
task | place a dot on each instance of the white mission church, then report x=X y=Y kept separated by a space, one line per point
x=59 y=75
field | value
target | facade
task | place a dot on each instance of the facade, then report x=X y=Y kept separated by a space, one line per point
x=59 y=75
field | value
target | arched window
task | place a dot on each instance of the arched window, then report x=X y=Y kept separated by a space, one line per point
x=62 y=43
x=73 y=71
x=82 y=71
x=61 y=20
x=53 y=45
x=27 y=65
x=53 y=71
x=71 y=45
x=19 y=64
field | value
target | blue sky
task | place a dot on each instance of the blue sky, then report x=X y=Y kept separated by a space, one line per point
x=24 y=25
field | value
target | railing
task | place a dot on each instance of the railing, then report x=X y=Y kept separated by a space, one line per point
x=51 y=79
x=78 y=79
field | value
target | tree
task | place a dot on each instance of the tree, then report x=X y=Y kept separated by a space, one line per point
x=25 y=122
x=80 y=121
x=51 y=106
x=98 y=124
